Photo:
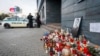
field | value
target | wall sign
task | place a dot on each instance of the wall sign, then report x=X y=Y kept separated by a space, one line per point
x=95 y=27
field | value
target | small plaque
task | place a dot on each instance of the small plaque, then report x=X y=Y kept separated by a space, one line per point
x=95 y=27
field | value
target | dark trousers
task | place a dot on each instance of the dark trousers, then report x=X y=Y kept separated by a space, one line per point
x=38 y=25
x=30 y=24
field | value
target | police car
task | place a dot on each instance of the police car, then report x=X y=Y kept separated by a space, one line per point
x=9 y=22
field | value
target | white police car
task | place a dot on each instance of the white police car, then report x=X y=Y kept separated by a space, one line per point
x=15 y=22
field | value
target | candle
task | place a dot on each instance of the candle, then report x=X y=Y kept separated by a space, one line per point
x=86 y=51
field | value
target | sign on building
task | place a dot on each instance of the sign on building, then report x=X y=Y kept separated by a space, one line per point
x=95 y=27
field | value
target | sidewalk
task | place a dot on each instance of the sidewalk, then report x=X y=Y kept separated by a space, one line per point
x=52 y=26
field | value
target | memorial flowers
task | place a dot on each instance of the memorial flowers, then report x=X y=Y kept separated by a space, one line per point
x=61 y=43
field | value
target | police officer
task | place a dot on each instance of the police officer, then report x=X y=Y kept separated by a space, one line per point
x=30 y=18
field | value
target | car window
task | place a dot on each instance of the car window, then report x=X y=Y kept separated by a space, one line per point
x=15 y=19
x=18 y=19
x=22 y=19
x=9 y=19
x=25 y=19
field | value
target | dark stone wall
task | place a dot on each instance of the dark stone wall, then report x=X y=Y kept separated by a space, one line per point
x=89 y=10
x=53 y=11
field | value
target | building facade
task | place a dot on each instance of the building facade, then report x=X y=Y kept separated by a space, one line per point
x=89 y=11
x=66 y=11
x=49 y=10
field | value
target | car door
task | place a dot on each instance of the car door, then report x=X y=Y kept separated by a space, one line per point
x=13 y=22
x=25 y=22
x=20 y=22
x=16 y=22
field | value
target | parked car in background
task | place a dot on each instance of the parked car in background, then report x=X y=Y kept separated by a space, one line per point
x=9 y=22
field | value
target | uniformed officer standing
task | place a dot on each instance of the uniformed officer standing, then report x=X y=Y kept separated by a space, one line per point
x=30 y=18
